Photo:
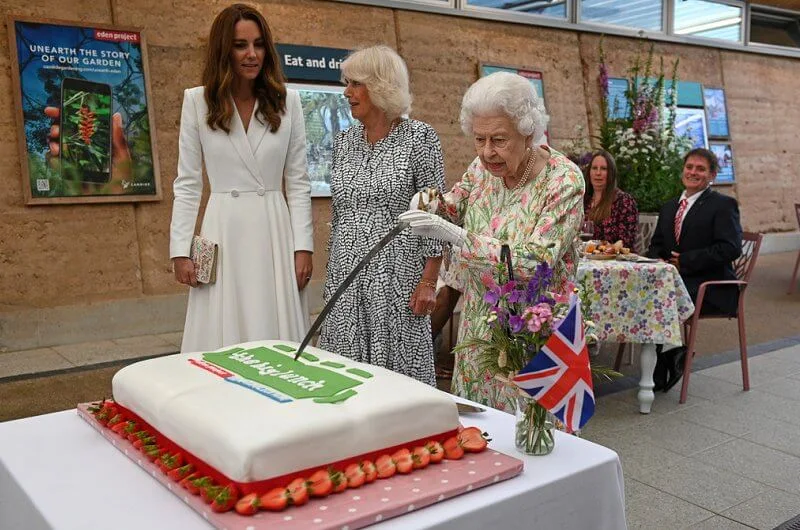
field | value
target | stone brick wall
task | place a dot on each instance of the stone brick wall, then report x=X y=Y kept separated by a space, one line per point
x=53 y=256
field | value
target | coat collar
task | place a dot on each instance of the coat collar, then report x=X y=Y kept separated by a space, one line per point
x=246 y=143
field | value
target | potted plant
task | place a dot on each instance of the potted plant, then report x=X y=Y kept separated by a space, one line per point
x=642 y=139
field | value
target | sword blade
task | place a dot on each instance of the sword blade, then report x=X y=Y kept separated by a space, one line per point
x=346 y=283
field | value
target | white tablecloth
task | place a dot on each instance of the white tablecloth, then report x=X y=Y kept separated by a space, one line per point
x=57 y=472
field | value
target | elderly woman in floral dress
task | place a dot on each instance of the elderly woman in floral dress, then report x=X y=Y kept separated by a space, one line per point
x=517 y=193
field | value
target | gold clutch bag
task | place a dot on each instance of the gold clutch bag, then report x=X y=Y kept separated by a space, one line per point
x=204 y=256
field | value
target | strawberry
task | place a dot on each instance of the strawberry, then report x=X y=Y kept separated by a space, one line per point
x=274 y=500
x=420 y=457
x=247 y=505
x=187 y=484
x=225 y=499
x=355 y=475
x=180 y=473
x=297 y=492
x=385 y=466
x=472 y=440
x=141 y=442
x=118 y=418
x=194 y=485
x=436 y=451
x=370 y=471
x=105 y=413
x=452 y=450
x=403 y=461
x=138 y=435
x=168 y=462
x=320 y=484
x=152 y=451
x=209 y=493
x=338 y=479
x=120 y=427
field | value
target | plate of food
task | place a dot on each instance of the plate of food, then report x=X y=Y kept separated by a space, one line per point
x=602 y=250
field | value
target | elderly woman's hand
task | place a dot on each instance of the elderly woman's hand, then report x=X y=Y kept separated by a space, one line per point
x=429 y=225
x=426 y=200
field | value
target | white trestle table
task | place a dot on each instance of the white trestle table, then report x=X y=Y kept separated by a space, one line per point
x=57 y=472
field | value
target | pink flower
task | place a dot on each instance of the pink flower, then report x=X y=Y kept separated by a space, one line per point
x=488 y=280
x=495 y=223
x=537 y=316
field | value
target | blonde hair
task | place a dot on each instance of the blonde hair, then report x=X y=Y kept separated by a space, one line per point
x=385 y=75
x=507 y=93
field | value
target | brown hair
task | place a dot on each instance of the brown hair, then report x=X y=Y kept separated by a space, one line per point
x=603 y=208
x=711 y=158
x=218 y=74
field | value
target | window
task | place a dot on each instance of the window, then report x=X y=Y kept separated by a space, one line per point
x=550 y=8
x=774 y=27
x=701 y=18
x=638 y=14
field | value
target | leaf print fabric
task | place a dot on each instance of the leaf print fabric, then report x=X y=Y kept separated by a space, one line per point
x=539 y=221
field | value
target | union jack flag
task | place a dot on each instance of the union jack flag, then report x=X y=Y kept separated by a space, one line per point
x=559 y=377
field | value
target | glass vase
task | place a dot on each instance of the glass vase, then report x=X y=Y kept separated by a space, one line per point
x=535 y=428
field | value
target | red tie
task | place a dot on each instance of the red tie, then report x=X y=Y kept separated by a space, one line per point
x=679 y=219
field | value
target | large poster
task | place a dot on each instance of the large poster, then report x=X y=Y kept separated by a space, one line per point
x=86 y=130
x=326 y=113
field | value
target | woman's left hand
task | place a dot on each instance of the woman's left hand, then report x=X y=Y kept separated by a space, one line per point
x=423 y=300
x=303 y=268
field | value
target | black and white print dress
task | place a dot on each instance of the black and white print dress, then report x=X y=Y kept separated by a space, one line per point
x=371 y=185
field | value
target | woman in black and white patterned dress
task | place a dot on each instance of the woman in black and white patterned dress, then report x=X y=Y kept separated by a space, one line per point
x=378 y=165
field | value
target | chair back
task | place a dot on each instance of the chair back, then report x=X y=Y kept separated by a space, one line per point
x=744 y=264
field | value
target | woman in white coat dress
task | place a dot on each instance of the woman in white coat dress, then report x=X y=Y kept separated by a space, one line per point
x=248 y=129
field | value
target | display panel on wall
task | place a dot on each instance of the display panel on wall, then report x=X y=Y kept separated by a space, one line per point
x=716 y=112
x=534 y=76
x=85 y=123
x=326 y=113
x=726 y=174
x=691 y=123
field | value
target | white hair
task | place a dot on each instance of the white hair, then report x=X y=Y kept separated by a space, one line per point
x=385 y=75
x=507 y=93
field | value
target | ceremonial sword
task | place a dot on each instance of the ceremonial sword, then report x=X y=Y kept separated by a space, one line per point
x=346 y=283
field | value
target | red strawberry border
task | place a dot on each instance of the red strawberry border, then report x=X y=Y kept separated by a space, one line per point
x=223 y=494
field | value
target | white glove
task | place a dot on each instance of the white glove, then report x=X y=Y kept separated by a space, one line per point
x=429 y=225
x=426 y=200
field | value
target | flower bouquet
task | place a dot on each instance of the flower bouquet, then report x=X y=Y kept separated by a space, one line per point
x=522 y=317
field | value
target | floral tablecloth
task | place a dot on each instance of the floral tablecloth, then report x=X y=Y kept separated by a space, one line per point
x=635 y=302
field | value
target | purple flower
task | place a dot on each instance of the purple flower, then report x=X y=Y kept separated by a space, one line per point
x=491 y=297
x=508 y=287
x=516 y=323
x=516 y=296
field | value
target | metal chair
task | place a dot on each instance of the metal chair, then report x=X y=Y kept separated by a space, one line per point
x=793 y=283
x=743 y=267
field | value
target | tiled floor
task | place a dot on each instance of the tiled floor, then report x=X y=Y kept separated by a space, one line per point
x=74 y=356
x=724 y=459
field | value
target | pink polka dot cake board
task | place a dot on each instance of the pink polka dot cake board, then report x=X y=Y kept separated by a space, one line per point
x=352 y=508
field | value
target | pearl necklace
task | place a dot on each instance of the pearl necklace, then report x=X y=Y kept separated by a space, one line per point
x=528 y=168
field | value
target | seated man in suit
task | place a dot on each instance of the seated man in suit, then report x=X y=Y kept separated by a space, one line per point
x=699 y=233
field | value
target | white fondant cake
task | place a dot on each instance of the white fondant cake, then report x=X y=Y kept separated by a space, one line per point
x=253 y=413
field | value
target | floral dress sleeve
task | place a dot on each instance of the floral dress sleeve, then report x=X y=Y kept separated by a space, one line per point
x=457 y=200
x=625 y=218
x=540 y=225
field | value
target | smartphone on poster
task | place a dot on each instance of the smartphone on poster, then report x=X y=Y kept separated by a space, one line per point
x=85 y=134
